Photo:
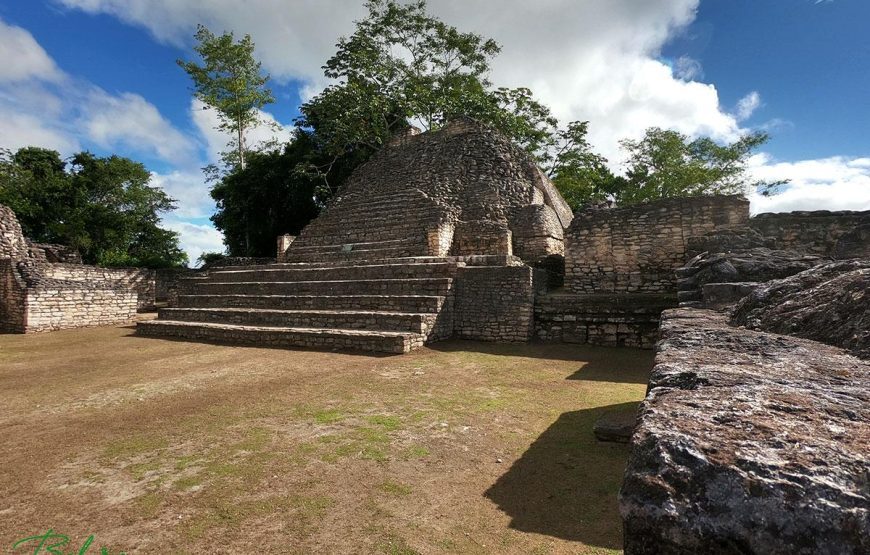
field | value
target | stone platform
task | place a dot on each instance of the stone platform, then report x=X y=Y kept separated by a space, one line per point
x=390 y=305
x=748 y=442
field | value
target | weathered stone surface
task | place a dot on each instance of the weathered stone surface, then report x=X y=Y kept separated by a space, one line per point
x=727 y=240
x=748 y=442
x=616 y=426
x=636 y=249
x=854 y=243
x=39 y=293
x=463 y=190
x=829 y=303
x=816 y=232
x=724 y=294
x=756 y=264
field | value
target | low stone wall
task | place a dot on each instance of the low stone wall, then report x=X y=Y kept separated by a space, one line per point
x=12 y=243
x=141 y=280
x=70 y=307
x=748 y=442
x=51 y=253
x=482 y=237
x=536 y=232
x=815 y=232
x=495 y=303
x=636 y=249
x=11 y=298
x=610 y=320
x=166 y=279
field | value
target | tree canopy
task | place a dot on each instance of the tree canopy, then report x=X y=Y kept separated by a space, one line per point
x=230 y=81
x=103 y=207
x=402 y=66
x=665 y=163
x=270 y=197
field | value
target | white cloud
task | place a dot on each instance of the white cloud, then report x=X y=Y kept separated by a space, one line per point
x=129 y=120
x=196 y=239
x=594 y=60
x=836 y=183
x=747 y=105
x=189 y=189
x=688 y=69
x=23 y=58
x=206 y=121
x=18 y=130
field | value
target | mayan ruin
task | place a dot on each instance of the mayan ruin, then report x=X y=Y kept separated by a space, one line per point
x=403 y=277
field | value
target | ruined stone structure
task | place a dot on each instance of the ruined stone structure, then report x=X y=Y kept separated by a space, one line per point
x=40 y=290
x=431 y=238
x=748 y=442
x=620 y=264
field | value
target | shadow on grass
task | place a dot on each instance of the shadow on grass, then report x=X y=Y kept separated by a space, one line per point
x=218 y=343
x=599 y=364
x=566 y=484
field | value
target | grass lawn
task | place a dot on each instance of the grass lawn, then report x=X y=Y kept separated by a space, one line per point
x=156 y=446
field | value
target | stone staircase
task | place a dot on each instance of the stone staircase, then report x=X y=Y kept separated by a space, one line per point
x=387 y=305
x=367 y=227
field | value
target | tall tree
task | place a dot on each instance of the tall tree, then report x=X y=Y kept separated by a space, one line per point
x=230 y=81
x=103 y=207
x=402 y=66
x=273 y=195
x=666 y=163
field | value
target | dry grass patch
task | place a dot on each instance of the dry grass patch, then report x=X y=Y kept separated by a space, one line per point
x=161 y=446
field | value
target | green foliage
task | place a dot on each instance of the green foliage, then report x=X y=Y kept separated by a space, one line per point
x=208 y=258
x=103 y=207
x=273 y=195
x=403 y=65
x=230 y=81
x=581 y=175
x=666 y=163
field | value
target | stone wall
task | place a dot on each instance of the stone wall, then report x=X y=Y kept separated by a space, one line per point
x=811 y=232
x=495 y=303
x=166 y=280
x=611 y=320
x=12 y=243
x=51 y=253
x=11 y=298
x=404 y=200
x=536 y=232
x=49 y=309
x=482 y=236
x=748 y=442
x=141 y=281
x=636 y=249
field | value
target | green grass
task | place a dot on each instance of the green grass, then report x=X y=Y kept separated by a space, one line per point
x=395 y=488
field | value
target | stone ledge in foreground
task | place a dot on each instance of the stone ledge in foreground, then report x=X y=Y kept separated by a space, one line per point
x=748 y=442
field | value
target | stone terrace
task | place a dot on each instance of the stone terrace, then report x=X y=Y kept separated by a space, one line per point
x=391 y=305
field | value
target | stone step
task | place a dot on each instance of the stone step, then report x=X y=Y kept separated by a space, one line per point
x=301 y=247
x=386 y=261
x=395 y=303
x=688 y=296
x=371 y=271
x=335 y=319
x=353 y=249
x=406 y=286
x=366 y=254
x=686 y=271
x=267 y=336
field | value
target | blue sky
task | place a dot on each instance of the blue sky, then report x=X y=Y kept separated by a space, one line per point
x=101 y=75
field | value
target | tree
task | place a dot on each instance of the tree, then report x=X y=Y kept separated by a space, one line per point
x=581 y=175
x=230 y=81
x=103 y=207
x=404 y=66
x=666 y=163
x=272 y=196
